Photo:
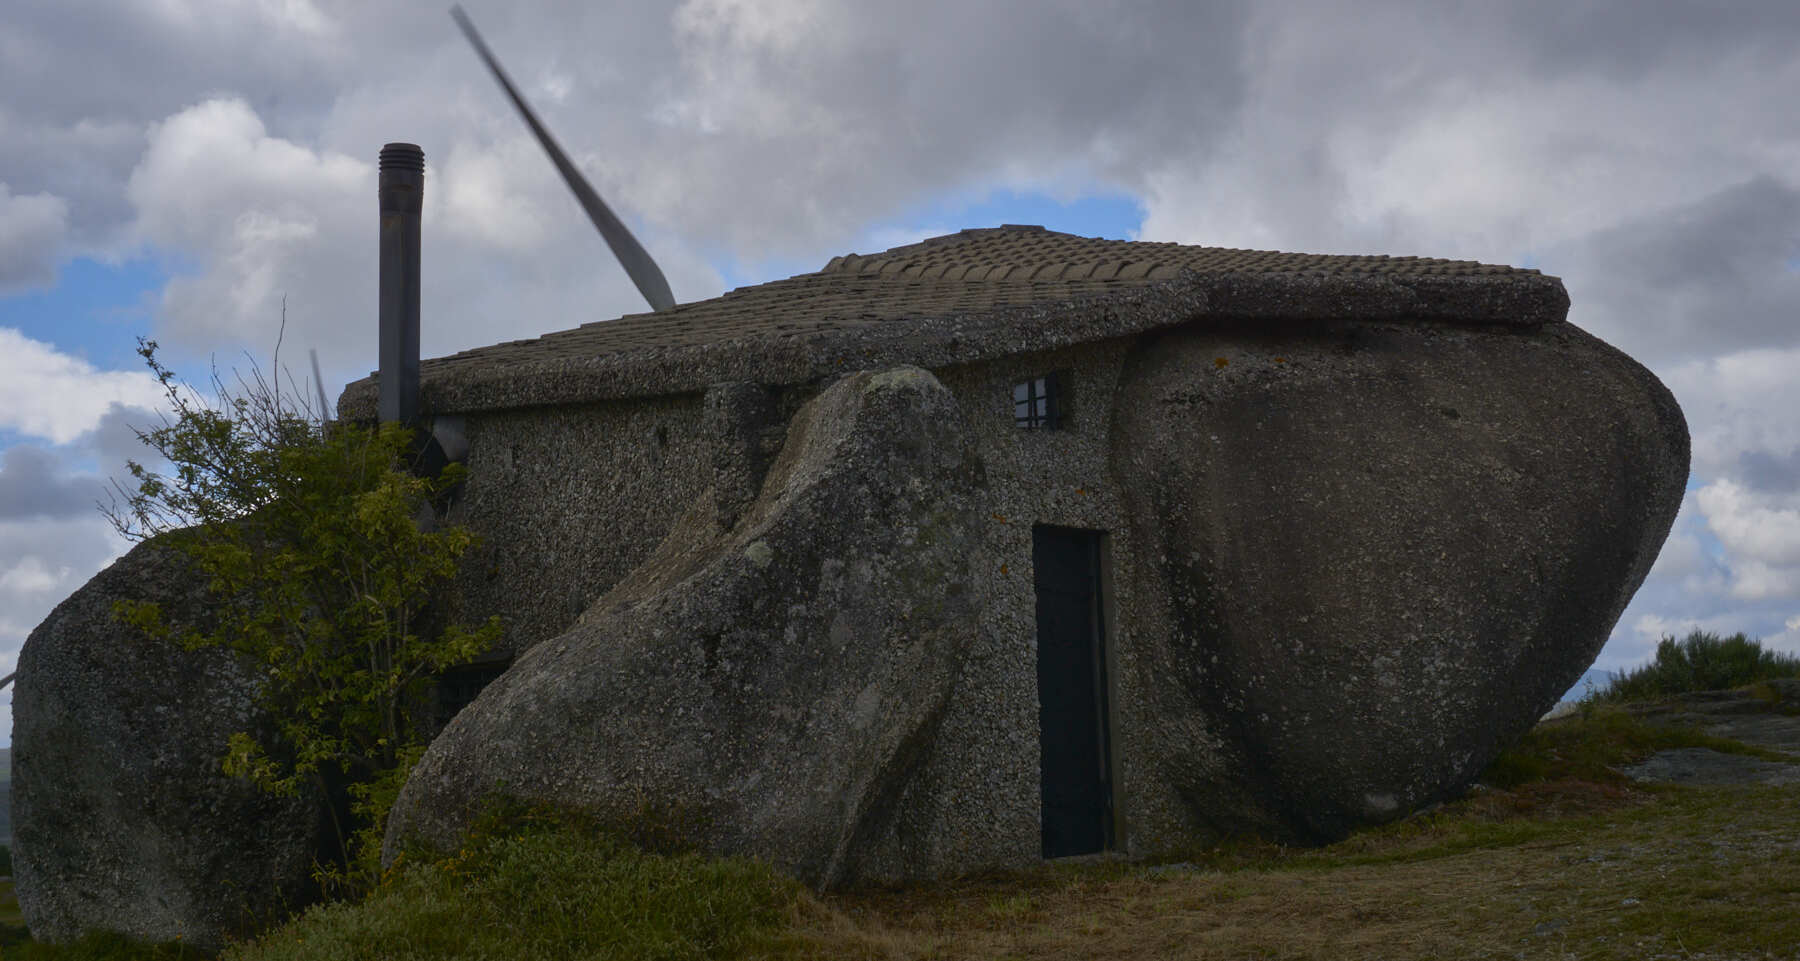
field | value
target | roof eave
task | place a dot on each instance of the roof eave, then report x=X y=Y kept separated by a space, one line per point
x=1523 y=301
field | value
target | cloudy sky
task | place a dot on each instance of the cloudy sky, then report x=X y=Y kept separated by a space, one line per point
x=175 y=168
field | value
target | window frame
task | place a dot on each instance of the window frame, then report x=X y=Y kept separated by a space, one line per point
x=1041 y=402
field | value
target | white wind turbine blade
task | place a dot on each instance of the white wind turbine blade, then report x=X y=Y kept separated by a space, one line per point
x=631 y=254
x=319 y=385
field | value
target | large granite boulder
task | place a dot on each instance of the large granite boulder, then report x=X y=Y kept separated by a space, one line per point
x=1388 y=549
x=769 y=680
x=122 y=818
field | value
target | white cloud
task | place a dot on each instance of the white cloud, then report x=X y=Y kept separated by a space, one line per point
x=1739 y=402
x=30 y=576
x=49 y=394
x=1490 y=135
x=1787 y=640
x=32 y=230
x=1755 y=580
x=265 y=216
x=1761 y=533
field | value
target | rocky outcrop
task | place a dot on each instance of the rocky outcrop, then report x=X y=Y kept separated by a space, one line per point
x=1386 y=549
x=123 y=820
x=1766 y=714
x=766 y=689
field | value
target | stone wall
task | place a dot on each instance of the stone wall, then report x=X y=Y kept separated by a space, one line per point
x=568 y=501
x=558 y=534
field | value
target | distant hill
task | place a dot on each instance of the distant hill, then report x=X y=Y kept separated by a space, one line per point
x=1594 y=676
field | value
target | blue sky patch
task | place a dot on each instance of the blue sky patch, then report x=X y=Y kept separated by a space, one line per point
x=95 y=312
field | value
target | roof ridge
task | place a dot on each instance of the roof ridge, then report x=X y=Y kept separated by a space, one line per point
x=856 y=263
x=1030 y=253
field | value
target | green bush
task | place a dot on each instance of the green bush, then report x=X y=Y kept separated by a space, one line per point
x=546 y=891
x=321 y=573
x=1699 y=662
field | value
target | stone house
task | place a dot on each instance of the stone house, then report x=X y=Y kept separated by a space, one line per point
x=1275 y=541
x=1000 y=546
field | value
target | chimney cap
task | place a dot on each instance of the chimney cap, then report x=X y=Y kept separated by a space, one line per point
x=402 y=156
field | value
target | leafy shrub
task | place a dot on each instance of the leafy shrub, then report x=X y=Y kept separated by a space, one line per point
x=321 y=573
x=1699 y=662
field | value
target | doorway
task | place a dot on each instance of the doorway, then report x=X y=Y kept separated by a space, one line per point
x=1075 y=753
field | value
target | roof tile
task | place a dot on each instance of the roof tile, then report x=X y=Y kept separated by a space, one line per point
x=924 y=285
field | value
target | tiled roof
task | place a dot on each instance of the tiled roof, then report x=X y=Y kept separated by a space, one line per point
x=1016 y=253
x=972 y=294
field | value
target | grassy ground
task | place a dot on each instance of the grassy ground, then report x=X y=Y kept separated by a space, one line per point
x=1563 y=858
x=1569 y=860
x=1676 y=873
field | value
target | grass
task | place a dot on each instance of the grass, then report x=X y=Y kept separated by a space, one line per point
x=1662 y=875
x=1555 y=855
x=1592 y=744
x=99 y=946
x=549 y=892
x=544 y=889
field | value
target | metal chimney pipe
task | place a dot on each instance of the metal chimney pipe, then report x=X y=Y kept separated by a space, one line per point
x=402 y=190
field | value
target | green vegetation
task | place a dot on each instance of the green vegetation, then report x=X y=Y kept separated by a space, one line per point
x=1699 y=662
x=1569 y=859
x=99 y=946
x=1591 y=745
x=550 y=890
x=321 y=573
x=541 y=887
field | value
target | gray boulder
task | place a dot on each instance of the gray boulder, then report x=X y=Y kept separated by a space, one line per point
x=1387 y=550
x=122 y=819
x=768 y=689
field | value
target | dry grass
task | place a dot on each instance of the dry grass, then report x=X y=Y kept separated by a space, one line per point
x=1573 y=861
x=1691 y=873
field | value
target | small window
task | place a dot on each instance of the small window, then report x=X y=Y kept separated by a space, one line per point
x=1039 y=404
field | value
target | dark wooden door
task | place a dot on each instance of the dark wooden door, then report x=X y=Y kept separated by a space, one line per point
x=1071 y=674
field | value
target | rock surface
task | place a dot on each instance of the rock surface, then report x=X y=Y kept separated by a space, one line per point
x=1699 y=765
x=1769 y=717
x=764 y=690
x=1388 y=550
x=122 y=819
